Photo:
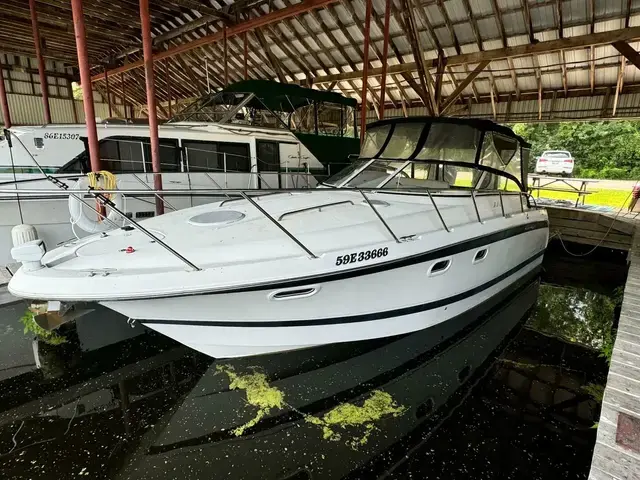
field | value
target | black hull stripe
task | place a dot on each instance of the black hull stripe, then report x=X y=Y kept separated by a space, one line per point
x=367 y=317
x=449 y=250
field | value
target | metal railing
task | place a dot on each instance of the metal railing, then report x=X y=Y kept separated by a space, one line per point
x=245 y=194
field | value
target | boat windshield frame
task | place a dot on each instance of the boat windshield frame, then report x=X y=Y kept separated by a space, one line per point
x=483 y=145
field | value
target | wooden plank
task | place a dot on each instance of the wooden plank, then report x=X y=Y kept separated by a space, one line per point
x=617 y=450
x=601 y=218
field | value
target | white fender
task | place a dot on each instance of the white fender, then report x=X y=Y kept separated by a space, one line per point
x=91 y=224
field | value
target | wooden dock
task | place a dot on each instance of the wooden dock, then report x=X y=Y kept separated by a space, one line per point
x=616 y=454
x=591 y=227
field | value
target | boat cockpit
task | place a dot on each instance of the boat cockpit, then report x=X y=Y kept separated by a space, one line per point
x=438 y=153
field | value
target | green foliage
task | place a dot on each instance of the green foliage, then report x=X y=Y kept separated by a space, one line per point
x=601 y=149
x=30 y=326
x=595 y=390
x=577 y=315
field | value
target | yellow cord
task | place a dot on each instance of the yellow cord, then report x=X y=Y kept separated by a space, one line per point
x=109 y=183
x=108 y=180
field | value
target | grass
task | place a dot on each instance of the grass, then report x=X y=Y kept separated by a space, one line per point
x=609 y=198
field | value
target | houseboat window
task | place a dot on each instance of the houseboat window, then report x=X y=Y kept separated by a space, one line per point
x=169 y=155
x=121 y=155
x=268 y=154
x=212 y=156
x=237 y=156
x=38 y=142
x=451 y=142
x=403 y=141
x=374 y=140
x=201 y=156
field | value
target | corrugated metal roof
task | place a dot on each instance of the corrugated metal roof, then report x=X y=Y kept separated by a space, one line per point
x=329 y=41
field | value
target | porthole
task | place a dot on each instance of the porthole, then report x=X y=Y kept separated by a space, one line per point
x=440 y=267
x=480 y=255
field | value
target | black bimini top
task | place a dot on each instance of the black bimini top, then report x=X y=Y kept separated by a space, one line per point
x=461 y=142
x=477 y=123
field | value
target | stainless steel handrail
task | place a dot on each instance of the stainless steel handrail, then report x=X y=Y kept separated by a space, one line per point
x=501 y=203
x=475 y=206
x=375 y=210
x=277 y=224
x=158 y=196
x=438 y=211
x=308 y=209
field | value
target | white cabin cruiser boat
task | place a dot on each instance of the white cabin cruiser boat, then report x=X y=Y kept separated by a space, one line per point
x=433 y=220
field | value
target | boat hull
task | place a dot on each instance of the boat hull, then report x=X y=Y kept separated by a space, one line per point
x=378 y=304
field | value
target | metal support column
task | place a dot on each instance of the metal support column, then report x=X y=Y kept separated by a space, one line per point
x=85 y=81
x=365 y=70
x=385 y=54
x=108 y=92
x=147 y=48
x=6 y=116
x=41 y=70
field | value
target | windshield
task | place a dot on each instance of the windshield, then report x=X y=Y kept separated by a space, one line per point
x=557 y=154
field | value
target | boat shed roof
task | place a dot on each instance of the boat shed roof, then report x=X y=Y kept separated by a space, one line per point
x=509 y=60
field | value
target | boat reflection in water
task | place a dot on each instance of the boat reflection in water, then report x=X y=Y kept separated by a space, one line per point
x=149 y=409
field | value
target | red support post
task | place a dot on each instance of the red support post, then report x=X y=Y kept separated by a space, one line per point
x=365 y=71
x=147 y=48
x=385 y=54
x=108 y=92
x=168 y=78
x=41 y=70
x=246 y=56
x=226 y=60
x=6 y=116
x=85 y=82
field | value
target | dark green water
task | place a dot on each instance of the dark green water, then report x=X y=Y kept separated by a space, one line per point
x=514 y=394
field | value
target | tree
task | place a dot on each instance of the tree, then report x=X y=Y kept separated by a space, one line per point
x=601 y=149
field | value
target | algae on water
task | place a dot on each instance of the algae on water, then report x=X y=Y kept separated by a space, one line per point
x=259 y=393
x=378 y=405
x=265 y=397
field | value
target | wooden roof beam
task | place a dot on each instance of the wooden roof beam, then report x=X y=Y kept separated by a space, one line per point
x=274 y=63
x=566 y=43
x=424 y=91
x=449 y=101
x=249 y=25
x=628 y=52
x=447 y=21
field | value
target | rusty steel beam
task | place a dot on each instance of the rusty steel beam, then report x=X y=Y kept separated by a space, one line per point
x=232 y=31
x=365 y=69
x=385 y=53
x=147 y=48
x=85 y=81
x=44 y=85
x=6 y=115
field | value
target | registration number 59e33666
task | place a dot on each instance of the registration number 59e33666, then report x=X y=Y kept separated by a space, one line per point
x=362 y=256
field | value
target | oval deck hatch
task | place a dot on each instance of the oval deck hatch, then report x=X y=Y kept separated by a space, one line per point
x=216 y=218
